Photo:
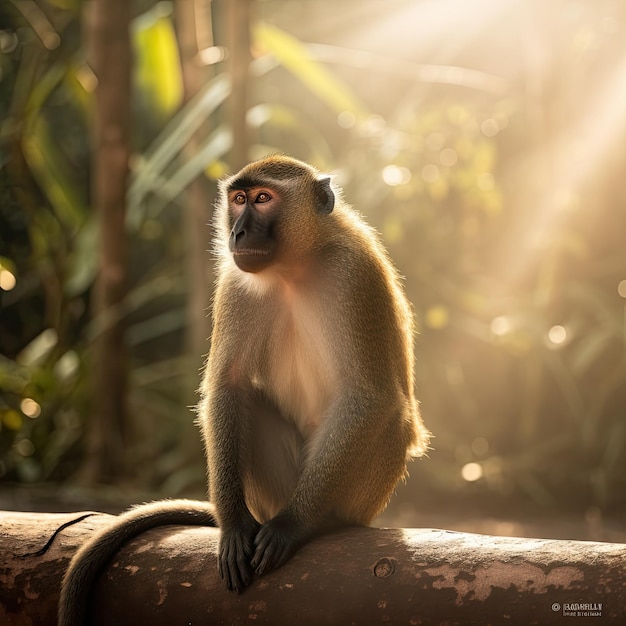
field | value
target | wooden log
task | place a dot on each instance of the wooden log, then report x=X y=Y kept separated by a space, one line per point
x=168 y=576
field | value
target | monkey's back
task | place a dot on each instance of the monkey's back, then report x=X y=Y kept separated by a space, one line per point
x=386 y=329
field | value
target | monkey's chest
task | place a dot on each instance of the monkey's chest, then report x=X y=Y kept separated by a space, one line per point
x=299 y=374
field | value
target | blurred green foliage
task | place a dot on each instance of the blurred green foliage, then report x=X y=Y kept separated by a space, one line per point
x=500 y=201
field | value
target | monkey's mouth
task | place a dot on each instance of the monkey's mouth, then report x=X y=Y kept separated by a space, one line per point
x=251 y=252
x=253 y=259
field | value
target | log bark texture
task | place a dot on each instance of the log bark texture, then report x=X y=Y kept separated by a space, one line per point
x=363 y=576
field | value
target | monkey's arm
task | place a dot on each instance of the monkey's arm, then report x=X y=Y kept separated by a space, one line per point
x=224 y=413
x=224 y=422
x=89 y=562
x=335 y=488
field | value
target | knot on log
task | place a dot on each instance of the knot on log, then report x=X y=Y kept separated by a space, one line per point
x=384 y=567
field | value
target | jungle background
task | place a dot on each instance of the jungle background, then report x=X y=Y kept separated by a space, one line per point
x=484 y=139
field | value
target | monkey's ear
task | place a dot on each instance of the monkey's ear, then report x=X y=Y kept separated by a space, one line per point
x=324 y=196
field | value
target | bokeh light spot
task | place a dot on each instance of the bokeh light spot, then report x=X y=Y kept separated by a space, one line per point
x=11 y=419
x=346 y=119
x=25 y=447
x=212 y=55
x=394 y=175
x=448 y=157
x=30 y=408
x=437 y=317
x=471 y=472
x=430 y=173
x=490 y=128
x=480 y=446
x=557 y=335
x=500 y=325
x=7 y=280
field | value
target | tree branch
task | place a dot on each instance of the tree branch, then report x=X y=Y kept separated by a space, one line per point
x=168 y=576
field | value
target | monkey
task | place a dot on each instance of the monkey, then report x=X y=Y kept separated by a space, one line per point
x=308 y=410
x=307 y=406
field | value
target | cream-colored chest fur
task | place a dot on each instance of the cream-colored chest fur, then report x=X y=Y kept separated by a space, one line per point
x=300 y=371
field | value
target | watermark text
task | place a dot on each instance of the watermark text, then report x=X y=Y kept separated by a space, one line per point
x=579 y=609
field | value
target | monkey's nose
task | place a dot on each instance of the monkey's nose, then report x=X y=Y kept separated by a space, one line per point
x=236 y=234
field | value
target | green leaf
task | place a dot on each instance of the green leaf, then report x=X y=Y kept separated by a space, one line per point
x=52 y=172
x=38 y=349
x=591 y=347
x=293 y=56
x=83 y=260
x=149 y=173
x=157 y=63
x=157 y=326
x=298 y=125
x=216 y=146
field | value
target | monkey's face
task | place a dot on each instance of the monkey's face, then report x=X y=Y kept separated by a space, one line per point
x=253 y=214
x=275 y=208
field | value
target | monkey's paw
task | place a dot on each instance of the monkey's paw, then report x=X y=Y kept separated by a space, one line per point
x=277 y=541
x=236 y=548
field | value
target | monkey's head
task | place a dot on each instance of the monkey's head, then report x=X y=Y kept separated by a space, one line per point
x=270 y=212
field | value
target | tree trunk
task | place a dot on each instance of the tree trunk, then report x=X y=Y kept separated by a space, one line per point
x=197 y=203
x=107 y=34
x=168 y=576
x=238 y=23
x=196 y=219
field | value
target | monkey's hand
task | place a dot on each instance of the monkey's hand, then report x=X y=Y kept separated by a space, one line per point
x=277 y=541
x=235 y=552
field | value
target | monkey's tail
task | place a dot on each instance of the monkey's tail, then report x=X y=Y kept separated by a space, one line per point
x=93 y=556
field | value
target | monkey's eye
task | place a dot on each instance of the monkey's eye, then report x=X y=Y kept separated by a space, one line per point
x=240 y=198
x=263 y=197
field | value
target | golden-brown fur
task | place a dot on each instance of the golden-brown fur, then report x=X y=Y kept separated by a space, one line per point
x=313 y=355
